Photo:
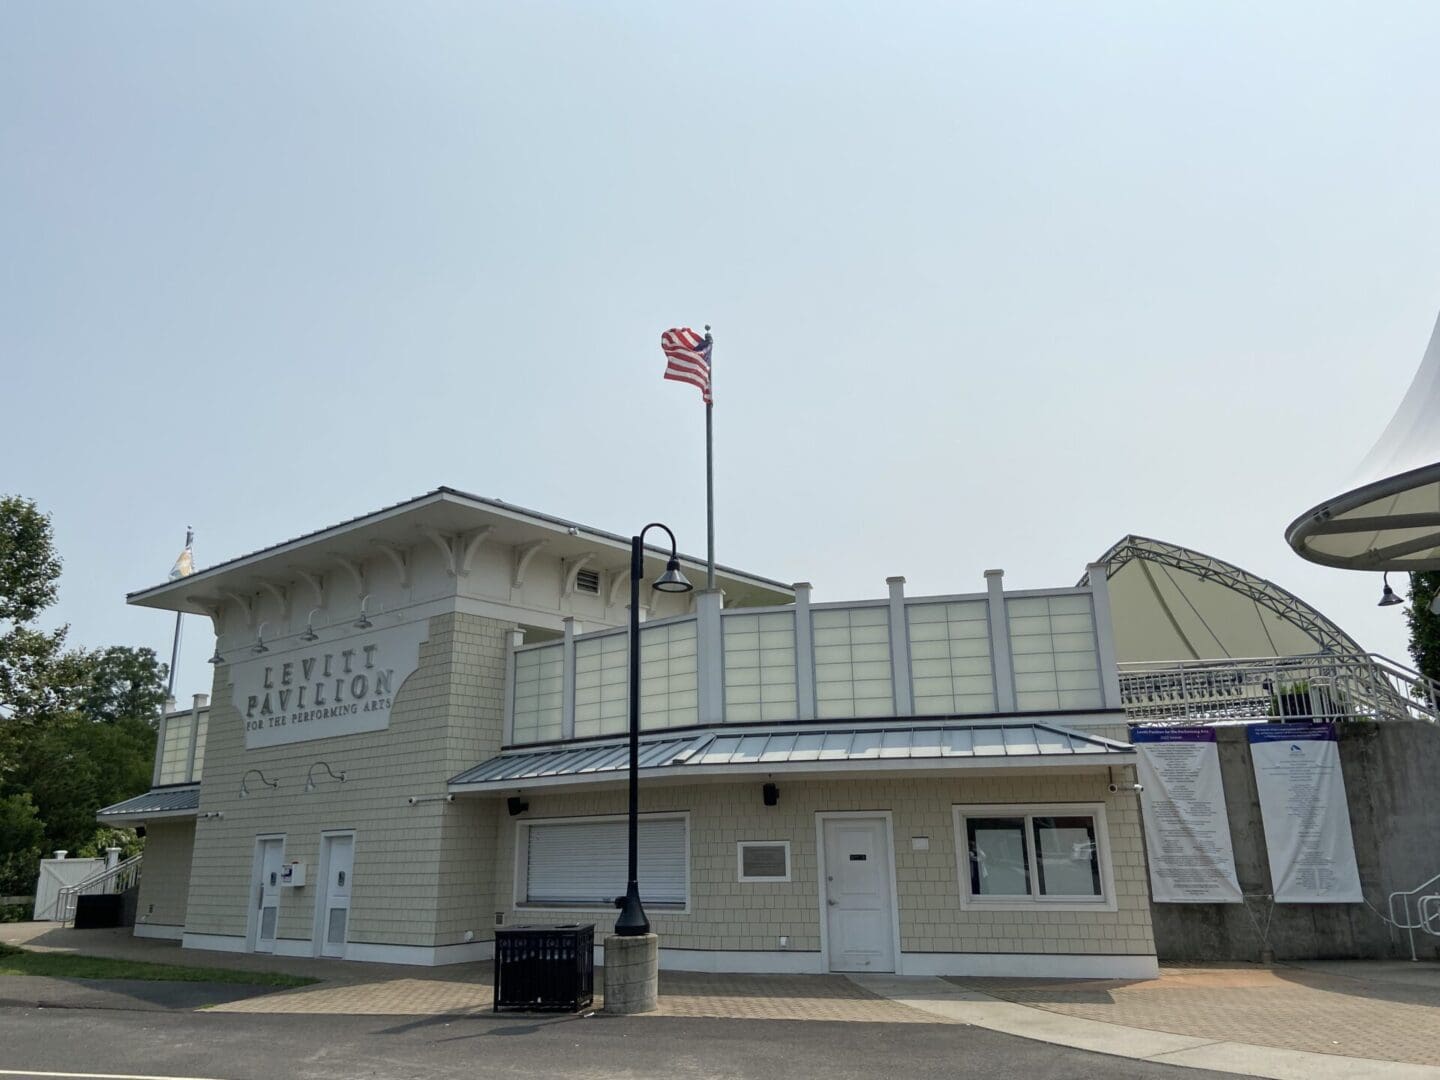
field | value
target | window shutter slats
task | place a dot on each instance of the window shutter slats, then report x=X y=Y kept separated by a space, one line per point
x=586 y=862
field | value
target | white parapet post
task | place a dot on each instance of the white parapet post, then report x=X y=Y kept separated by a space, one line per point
x=804 y=654
x=1000 y=641
x=710 y=655
x=567 y=678
x=516 y=639
x=1105 y=634
x=899 y=649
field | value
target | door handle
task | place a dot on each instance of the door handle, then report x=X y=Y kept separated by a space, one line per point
x=830 y=902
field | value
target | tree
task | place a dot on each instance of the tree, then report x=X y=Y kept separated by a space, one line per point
x=77 y=726
x=1424 y=624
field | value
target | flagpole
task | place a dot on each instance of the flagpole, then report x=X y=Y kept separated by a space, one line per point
x=175 y=643
x=710 y=470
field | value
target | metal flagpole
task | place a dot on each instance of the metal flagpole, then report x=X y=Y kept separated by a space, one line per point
x=175 y=644
x=710 y=465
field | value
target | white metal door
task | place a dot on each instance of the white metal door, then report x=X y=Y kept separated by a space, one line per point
x=860 y=921
x=339 y=866
x=267 y=893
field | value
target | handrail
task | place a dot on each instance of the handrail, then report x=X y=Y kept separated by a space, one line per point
x=1320 y=686
x=1424 y=921
x=112 y=879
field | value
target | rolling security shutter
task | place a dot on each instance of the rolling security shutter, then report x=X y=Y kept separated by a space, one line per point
x=585 y=862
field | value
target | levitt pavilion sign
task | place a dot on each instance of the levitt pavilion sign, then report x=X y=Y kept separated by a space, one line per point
x=342 y=687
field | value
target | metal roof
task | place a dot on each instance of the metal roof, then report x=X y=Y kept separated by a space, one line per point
x=159 y=802
x=792 y=750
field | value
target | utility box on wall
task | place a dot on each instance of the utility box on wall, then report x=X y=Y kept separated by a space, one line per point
x=293 y=875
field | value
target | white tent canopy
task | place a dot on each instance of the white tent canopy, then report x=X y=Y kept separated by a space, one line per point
x=1171 y=603
x=1389 y=518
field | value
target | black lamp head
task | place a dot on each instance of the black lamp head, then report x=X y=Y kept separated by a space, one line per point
x=672 y=581
x=516 y=805
x=1388 y=597
x=771 y=794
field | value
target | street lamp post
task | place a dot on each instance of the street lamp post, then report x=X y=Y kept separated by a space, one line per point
x=632 y=921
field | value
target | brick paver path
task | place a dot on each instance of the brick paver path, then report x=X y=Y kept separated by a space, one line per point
x=1290 y=1007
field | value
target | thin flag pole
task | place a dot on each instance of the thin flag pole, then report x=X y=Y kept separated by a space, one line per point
x=175 y=643
x=710 y=467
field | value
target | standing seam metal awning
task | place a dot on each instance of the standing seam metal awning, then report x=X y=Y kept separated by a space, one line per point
x=160 y=802
x=739 y=752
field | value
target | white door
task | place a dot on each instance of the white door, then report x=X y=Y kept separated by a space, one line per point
x=269 y=857
x=339 y=861
x=859 y=917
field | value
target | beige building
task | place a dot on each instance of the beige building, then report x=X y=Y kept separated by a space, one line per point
x=417 y=733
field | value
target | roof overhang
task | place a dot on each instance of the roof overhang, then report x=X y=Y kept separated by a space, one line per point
x=874 y=752
x=179 y=801
x=443 y=511
x=1390 y=524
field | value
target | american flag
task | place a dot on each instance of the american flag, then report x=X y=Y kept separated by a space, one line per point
x=687 y=356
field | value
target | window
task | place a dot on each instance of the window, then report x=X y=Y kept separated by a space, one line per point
x=1053 y=647
x=583 y=862
x=763 y=860
x=1025 y=856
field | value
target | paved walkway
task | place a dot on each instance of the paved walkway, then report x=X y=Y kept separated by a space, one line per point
x=1335 y=1021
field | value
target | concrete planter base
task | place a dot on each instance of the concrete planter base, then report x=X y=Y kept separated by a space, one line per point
x=632 y=973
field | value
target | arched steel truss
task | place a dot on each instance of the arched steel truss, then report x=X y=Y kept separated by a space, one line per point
x=1266 y=594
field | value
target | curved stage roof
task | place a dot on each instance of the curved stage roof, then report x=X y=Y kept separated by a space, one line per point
x=1389 y=518
x=1172 y=603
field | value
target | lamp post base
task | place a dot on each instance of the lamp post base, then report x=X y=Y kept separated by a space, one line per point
x=632 y=973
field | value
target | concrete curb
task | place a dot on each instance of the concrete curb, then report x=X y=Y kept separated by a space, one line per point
x=956 y=1004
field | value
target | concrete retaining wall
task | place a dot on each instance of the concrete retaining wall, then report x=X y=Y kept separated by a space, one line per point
x=1392 y=782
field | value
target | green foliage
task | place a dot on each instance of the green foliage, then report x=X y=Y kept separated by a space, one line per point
x=22 y=835
x=77 y=726
x=29 y=567
x=125 y=839
x=16 y=912
x=1424 y=625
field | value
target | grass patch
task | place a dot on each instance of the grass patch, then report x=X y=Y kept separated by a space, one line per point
x=15 y=961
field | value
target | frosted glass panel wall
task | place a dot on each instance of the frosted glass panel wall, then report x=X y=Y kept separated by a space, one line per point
x=760 y=667
x=601 y=707
x=950 y=658
x=174 y=751
x=669 y=696
x=539 y=681
x=852 y=662
x=1052 y=642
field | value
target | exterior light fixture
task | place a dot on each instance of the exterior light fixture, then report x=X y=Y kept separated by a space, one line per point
x=1388 y=597
x=363 y=623
x=260 y=646
x=632 y=921
x=516 y=805
x=217 y=658
x=310 y=634
x=310 y=776
x=245 y=791
x=672 y=581
x=771 y=794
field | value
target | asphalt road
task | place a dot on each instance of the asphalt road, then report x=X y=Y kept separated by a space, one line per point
x=230 y=1046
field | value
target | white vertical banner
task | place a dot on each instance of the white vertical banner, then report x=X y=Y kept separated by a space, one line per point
x=1187 y=830
x=1303 y=809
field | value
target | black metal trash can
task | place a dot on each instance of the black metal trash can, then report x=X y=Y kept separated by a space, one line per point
x=94 y=910
x=545 y=968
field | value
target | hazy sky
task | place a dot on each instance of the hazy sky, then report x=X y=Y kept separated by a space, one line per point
x=992 y=284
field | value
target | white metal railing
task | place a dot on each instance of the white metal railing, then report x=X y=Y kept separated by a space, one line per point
x=112 y=879
x=1349 y=686
x=1427 y=910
